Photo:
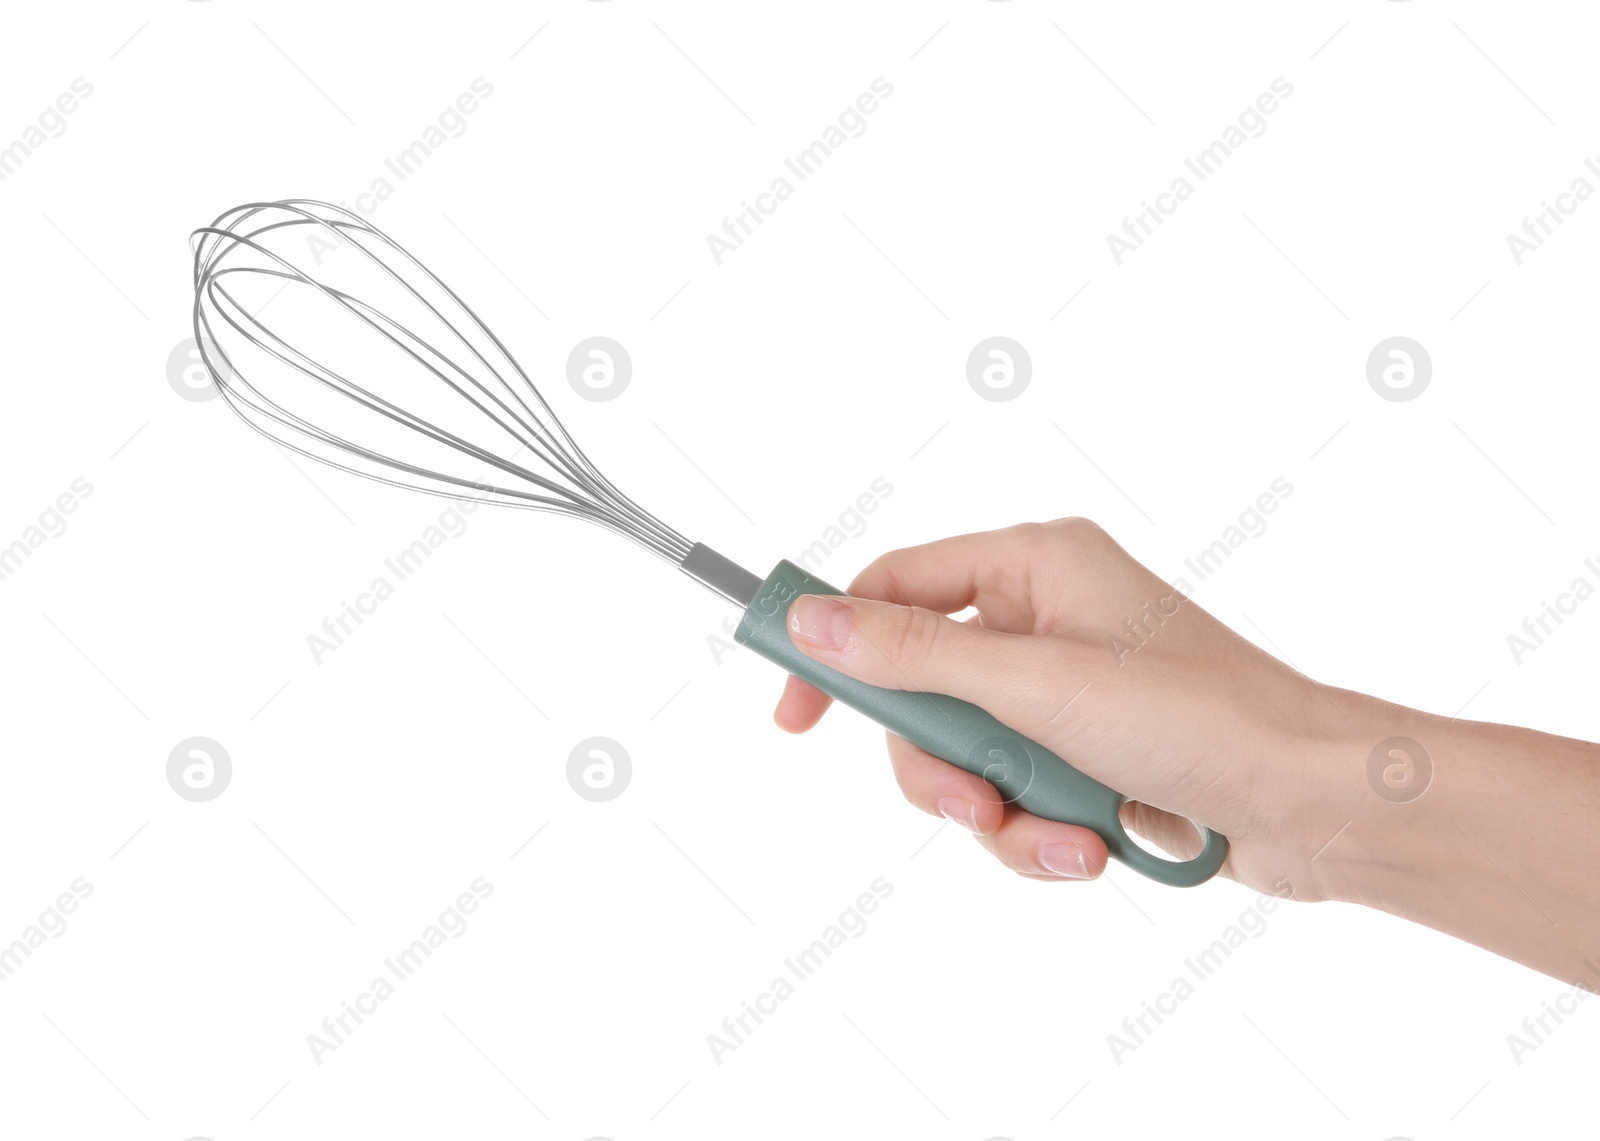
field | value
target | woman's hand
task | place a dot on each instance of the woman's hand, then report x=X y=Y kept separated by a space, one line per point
x=1079 y=647
x=1082 y=649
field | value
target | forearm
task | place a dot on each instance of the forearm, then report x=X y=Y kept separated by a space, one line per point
x=1501 y=848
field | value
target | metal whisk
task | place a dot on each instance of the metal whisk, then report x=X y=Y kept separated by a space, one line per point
x=386 y=361
x=439 y=350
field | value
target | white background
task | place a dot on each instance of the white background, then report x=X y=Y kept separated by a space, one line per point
x=768 y=392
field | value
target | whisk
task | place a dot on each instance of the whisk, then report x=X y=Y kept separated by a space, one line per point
x=390 y=375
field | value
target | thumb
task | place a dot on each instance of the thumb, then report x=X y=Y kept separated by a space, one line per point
x=1018 y=678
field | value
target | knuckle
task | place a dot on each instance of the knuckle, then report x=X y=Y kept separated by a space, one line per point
x=1073 y=540
x=1030 y=536
x=1077 y=531
x=912 y=634
x=1015 y=863
x=1004 y=850
x=878 y=577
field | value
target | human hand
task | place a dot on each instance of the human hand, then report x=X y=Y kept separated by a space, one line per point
x=1082 y=649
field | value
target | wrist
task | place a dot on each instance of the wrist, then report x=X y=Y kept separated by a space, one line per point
x=1388 y=773
x=1455 y=825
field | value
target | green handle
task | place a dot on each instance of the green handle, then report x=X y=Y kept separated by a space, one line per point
x=1026 y=773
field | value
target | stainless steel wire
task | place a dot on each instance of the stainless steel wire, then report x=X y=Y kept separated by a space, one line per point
x=266 y=244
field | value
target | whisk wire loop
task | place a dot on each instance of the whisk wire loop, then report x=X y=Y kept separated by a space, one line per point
x=248 y=245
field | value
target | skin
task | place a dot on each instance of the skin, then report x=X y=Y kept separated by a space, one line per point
x=1501 y=847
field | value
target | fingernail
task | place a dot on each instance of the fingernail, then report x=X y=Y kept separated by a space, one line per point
x=1064 y=859
x=963 y=812
x=820 y=621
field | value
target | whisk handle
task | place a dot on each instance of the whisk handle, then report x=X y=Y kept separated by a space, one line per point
x=1024 y=771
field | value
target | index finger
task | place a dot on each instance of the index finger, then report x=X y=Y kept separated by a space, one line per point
x=1017 y=577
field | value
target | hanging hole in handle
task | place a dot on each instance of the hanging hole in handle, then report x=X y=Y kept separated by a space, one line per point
x=1162 y=834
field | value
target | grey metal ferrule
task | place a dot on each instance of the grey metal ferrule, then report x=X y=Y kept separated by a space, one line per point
x=722 y=575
